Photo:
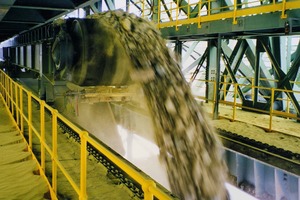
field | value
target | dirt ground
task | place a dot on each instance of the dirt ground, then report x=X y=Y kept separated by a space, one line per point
x=285 y=132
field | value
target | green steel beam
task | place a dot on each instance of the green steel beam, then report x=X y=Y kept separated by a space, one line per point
x=110 y=4
x=290 y=76
x=275 y=48
x=217 y=80
x=200 y=63
x=228 y=65
x=264 y=73
x=278 y=55
x=257 y=71
x=96 y=7
x=211 y=69
x=235 y=61
x=286 y=85
x=247 y=27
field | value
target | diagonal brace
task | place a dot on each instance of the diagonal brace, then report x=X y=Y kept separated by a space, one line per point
x=284 y=79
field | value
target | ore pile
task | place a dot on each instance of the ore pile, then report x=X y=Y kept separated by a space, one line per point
x=188 y=145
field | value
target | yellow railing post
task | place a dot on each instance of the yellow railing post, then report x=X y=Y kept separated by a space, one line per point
x=83 y=165
x=11 y=97
x=252 y=88
x=146 y=189
x=177 y=13
x=54 y=150
x=199 y=13
x=143 y=8
x=21 y=111
x=7 y=92
x=4 y=87
x=234 y=102
x=43 y=141
x=225 y=85
x=234 y=21
x=158 y=12
x=209 y=8
x=17 y=104
x=29 y=96
x=214 y=97
x=188 y=7
x=1 y=83
x=271 y=109
x=287 y=105
x=283 y=14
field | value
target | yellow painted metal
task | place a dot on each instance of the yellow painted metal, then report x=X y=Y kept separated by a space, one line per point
x=199 y=14
x=148 y=185
x=177 y=13
x=234 y=102
x=1 y=84
x=283 y=14
x=230 y=12
x=225 y=87
x=54 y=150
x=6 y=81
x=159 y=11
x=29 y=94
x=234 y=12
x=7 y=93
x=252 y=87
x=42 y=131
x=214 y=96
x=17 y=104
x=148 y=195
x=21 y=110
x=11 y=98
x=83 y=166
x=67 y=175
x=288 y=105
x=271 y=109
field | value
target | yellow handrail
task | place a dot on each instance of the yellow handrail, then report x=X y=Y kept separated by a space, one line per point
x=235 y=104
x=170 y=17
x=6 y=88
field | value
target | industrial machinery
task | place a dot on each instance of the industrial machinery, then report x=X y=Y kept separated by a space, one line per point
x=113 y=72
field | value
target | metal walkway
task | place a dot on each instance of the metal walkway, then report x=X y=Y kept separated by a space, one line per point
x=19 y=176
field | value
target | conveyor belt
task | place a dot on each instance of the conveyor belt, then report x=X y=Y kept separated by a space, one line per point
x=278 y=157
x=19 y=179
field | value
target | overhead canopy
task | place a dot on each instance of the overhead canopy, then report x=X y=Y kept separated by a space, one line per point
x=20 y=15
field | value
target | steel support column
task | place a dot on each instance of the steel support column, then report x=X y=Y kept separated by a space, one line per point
x=217 y=79
x=211 y=70
x=257 y=69
x=178 y=51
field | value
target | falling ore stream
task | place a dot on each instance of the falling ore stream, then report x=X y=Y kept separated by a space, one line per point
x=188 y=145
